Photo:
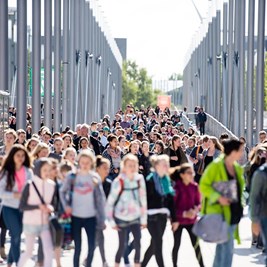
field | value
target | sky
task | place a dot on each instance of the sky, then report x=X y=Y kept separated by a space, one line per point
x=158 y=32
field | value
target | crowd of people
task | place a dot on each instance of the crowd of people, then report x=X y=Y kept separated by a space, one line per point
x=135 y=171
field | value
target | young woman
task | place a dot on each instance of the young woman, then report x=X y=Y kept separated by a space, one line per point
x=126 y=206
x=67 y=141
x=42 y=150
x=224 y=169
x=144 y=159
x=187 y=205
x=175 y=152
x=84 y=144
x=86 y=204
x=14 y=175
x=134 y=148
x=70 y=155
x=160 y=202
x=102 y=168
x=114 y=154
x=31 y=144
x=36 y=214
x=214 y=150
x=54 y=176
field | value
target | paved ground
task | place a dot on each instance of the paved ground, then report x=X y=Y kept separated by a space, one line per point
x=245 y=255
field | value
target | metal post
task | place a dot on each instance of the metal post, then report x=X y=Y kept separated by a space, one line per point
x=72 y=55
x=36 y=65
x=242 y=67
x=4 y=74
x=236 y=94
x=57 y=66
x=224 y=68
x=260 y=66
x=214 y=65
x=22 y=64
x=83 y=57
x=218 y=65
x=65 y=87
x=250 y=72
x=48 y=64
x=230 y=62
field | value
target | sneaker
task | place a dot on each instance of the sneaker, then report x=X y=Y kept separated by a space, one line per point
x=105 y=265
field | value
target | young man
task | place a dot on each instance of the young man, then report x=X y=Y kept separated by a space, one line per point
x=58 y=148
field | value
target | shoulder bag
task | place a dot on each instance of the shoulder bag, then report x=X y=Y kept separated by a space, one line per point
x=55 y=227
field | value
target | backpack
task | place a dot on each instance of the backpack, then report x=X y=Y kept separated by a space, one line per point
x=122 y=188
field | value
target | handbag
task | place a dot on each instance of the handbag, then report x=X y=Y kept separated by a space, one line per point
x=54 y=225
x=211 y=228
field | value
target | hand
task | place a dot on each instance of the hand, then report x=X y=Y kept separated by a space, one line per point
x=224 y=201
x=143 y=226
x=43 y=208
x=175 y=226
x=17 y=195
x=256 y=228
x=68 y=210
x=141 y=167
x=195 y=161
x=116 y=171
x=50 y=208
x=116 y=227
x=174 y=158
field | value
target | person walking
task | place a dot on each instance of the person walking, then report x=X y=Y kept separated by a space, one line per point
x=225 y=170
x=201 y=120
x=86 y=204
x=187 y=205
x=127 y=207
x=14 y=175
x=160 y=203
x=36 y=214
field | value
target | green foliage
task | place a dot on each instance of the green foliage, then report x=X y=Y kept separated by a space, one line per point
x=176 y=77
x=137 y=86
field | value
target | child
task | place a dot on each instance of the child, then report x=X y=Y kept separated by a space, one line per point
x=127 y=207
x=86 y=204
x=187 y=205
x=36 y=214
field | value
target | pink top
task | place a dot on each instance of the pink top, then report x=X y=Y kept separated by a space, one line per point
x=20 y=177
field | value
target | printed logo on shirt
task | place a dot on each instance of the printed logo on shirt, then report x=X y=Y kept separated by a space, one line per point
x=83 y=188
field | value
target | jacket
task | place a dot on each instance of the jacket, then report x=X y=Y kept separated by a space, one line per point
x=216 y=172
x=156 y=201
x=258 y=194
x=7 y=197
x=186 y=197
x=130 y=203
x=30 y=201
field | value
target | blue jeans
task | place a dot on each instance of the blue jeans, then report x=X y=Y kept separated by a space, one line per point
x=224 y=252
x=263 y=223
x=13 y=220
x=89 y=224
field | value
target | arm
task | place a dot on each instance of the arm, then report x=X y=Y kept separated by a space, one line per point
x=107 y=156
x=112 y=198
x=64 y=190
x=206 y=182
x=143 y=200
x=3 y=192
x=255 y=194
x=99 y=197
x=24 y=200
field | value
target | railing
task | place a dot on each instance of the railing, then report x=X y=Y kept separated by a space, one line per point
x=212 y=127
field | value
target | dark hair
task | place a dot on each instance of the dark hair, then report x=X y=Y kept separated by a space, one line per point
x=161 y=144
x=38 y=165
x=231 y=145
x=9 y=167
x=174 y=138
x=101 y=160
x=224 y=136
x=176 y=171
x=111 y=137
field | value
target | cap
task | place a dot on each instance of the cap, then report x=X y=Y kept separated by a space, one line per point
x=106 y=128
x=94 y=134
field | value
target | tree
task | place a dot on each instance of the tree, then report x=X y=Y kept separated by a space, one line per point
x=137 y=86
x=176 y=77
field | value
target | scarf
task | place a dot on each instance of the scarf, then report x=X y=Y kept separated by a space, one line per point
x=114 y=153
x=163 y=184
